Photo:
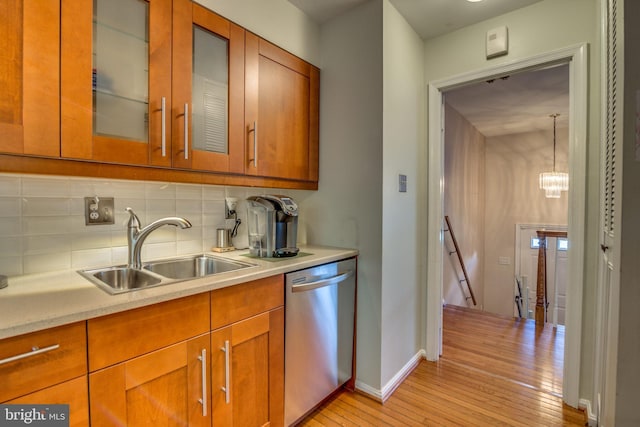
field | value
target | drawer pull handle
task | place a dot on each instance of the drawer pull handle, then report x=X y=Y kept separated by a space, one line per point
x=203 y=358
x=226 y=389
x=34 y=351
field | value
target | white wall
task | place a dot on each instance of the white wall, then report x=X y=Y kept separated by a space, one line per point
x=347 y=208
x=542 y=27
x=513 y=196
x=628 y=377
x=404 y=115
x=464 y=203
x=371 y=127
x=278 y=21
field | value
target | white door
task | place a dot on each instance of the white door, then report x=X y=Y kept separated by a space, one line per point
x=526 y=269
x=611 y=171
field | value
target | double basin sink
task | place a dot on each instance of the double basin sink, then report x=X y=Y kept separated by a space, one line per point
x=119 y=279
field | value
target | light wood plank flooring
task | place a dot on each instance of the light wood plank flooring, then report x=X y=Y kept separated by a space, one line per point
x=494 y=371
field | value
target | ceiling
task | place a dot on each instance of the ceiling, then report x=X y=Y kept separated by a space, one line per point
x=521 y=103
x=429 y=18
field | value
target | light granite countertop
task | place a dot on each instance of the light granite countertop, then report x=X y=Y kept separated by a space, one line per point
x=39 y=301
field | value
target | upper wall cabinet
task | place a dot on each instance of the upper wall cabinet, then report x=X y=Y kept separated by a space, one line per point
x=116 y=80
x=208 y=90
x=29 y=77
x=161 y=83
x=281 y=113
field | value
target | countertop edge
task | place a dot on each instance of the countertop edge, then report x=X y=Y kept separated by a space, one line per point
x=49 y=300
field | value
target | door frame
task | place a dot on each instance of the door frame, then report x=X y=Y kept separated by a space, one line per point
x=576 y=56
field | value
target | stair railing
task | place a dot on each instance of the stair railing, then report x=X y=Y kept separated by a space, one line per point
x=460 y=260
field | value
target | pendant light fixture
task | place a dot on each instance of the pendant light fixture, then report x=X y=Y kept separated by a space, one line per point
x=554 y=182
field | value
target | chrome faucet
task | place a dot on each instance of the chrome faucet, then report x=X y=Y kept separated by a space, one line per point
x=136 y=236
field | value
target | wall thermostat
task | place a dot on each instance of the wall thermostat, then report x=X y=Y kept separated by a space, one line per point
x=497 y=42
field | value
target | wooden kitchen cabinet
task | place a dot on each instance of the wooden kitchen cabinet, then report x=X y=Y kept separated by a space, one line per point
x=165 y=387
x=150 y=365
x=72 y=393
x=30 y=77
x=122 y=336
x=47 y=367
x=167 y=93
x=247 y=354
x=208 y=84
x=116 y=81
x=281 y=112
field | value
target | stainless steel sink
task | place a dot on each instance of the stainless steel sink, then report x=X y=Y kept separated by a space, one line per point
x=116 y=280
x=119 y=279
x=198 y=266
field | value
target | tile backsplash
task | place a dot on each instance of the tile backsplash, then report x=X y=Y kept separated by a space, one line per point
x=42 y=224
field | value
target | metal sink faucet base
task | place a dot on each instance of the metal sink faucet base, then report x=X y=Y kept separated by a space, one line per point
x=136 y=235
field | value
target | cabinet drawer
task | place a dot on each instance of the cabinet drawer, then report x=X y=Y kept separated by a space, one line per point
x=40 y=359
x=121 y=336
x=235 y=303
x=72 y=393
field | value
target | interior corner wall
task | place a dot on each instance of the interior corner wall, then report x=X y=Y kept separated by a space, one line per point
x=464 y=204
x=346 y=210
x=542 y=27
x=403 y=136
x=513 y=196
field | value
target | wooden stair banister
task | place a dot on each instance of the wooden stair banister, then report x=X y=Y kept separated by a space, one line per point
x=541 y=281
x=457 y=251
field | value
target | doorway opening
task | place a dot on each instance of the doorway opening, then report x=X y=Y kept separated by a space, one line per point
x=575 y=58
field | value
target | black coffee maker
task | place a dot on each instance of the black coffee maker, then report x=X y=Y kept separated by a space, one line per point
x=272 y=225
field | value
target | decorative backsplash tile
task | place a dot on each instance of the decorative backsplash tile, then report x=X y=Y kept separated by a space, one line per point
x=42 y=225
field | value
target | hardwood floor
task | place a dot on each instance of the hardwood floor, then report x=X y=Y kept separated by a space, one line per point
x=494 y=371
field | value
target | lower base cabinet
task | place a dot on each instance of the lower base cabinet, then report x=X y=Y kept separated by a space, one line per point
x=167 y=387
x=72 y=393
x=247 y=362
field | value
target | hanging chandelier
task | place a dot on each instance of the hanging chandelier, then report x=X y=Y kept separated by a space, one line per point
x=554 y=182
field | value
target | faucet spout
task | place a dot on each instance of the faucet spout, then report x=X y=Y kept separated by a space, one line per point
x=136 y=235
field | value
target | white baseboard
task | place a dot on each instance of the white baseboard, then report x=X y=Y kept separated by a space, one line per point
x=389 y=387
x=591 y=417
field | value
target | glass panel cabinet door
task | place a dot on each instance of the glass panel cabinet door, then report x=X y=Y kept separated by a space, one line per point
x=121 y=69
x=116 y=80
x=208 y=90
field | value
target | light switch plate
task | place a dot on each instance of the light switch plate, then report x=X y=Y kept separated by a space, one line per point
x=402 y=183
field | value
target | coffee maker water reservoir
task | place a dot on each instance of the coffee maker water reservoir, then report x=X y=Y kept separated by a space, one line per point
x=272 y=225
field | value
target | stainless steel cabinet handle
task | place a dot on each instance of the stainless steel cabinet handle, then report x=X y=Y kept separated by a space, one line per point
x=186 y=131
x=226 y=388
x=34 y=351
x=255 y=144
x=164 y=127
x=322 y=283
x=203 y=359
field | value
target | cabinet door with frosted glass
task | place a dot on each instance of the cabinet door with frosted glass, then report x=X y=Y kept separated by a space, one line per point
x=116 y=80
x=208 y=90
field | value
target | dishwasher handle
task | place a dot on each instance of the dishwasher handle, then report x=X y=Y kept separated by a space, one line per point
x=322 y=283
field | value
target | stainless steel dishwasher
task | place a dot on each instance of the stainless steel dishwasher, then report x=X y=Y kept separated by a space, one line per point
x=319 y=326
